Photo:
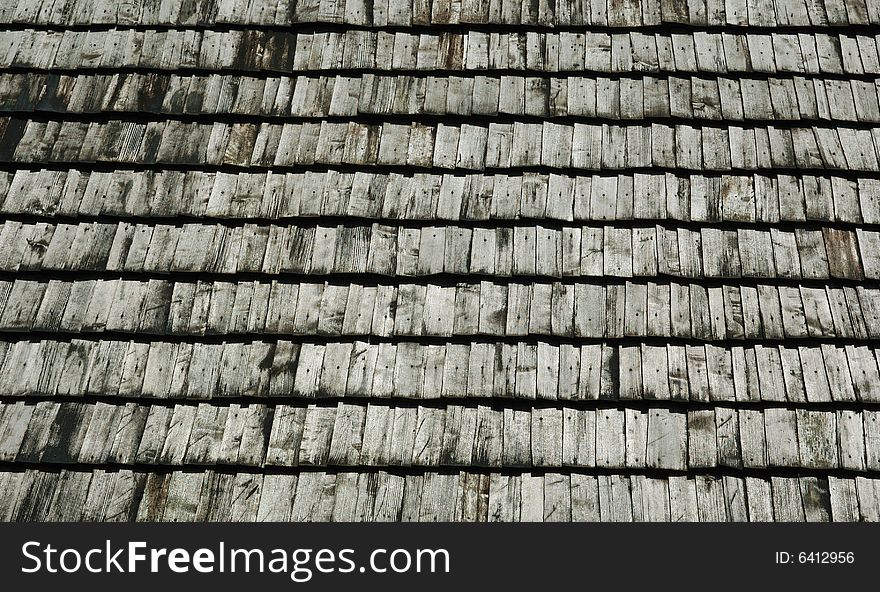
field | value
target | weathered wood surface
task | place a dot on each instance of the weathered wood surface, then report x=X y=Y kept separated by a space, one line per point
x=387 y=250
x=820 y=52
x=402 y=309
x=337 y=435
x=595 y=147
x=268 y=99
x=736 y=199
x=99 y=495
x=604 y=13
x=440 y=261
x=282 y=370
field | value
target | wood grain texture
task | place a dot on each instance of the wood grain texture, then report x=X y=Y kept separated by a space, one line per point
x=604 y=260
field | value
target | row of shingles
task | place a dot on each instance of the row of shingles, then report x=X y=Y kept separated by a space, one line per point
x=422 y=196
x=772 y=99
x=522 y=373
x=361 y=435
x=551 y=146
x=406 y=13
x=285 y=52
x=469 y=198
x=571 y=251
x=375 y=496
x=631 y=309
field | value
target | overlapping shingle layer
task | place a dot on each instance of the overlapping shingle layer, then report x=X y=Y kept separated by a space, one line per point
x=478 y=260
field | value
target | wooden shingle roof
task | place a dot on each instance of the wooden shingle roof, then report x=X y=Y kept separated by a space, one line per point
x=418 y=260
